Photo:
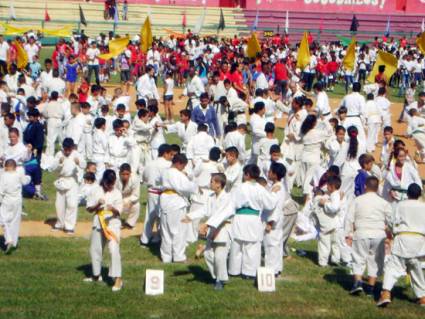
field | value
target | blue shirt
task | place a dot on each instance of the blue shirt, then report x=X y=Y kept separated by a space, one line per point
x=209 y=118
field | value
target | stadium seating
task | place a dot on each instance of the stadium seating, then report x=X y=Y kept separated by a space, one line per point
x=31 y=13
x=336 y=23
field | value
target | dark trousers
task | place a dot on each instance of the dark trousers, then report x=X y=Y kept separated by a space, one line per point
x=95 y=69
x=3 y=67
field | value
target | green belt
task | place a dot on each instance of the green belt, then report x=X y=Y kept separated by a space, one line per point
x=247 y=211
x=399 y=189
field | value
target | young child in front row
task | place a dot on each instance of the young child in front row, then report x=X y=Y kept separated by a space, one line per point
x=219 y=210
x=327 y=208
x=366 y=163
x=11 y=182
x=273 y=237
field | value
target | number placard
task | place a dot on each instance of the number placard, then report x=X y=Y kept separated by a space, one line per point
x=154 y=283
x=266 y=280
x=268 y=34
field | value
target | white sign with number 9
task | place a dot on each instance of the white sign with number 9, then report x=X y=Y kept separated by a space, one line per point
x=154 y=283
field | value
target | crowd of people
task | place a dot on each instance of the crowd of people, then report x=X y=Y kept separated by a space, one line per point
x=365 y=211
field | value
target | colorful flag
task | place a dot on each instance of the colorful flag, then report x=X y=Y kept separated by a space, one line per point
x=200 y=22
x=253 y=46
x=350 y=56
x=116 y=47
x=21 y=55
x=64 y=32
x=12 y=13
x=388 y=27
x=146 y=36
x=303 y=58
x=401 y=5
x=420 y=42
x=255 y=25
x=390 y=62
x=83 y=20
x=46 y=14
x=287 y=22
x=354 y=24
x=221 y=23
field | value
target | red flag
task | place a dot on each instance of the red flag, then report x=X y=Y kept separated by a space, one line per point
x=46 y=15
x=401 y=5
x=184 y=23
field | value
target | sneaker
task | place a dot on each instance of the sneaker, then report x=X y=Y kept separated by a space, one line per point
x=9 y=249
x=218 y=285
x=369 y=290
x=384 y=299
x=93 y=279
x=357 y=288
x=40 y=196
x=57 y=228
x=118 y=285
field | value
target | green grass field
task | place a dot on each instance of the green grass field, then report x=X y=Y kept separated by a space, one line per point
x=43 y=279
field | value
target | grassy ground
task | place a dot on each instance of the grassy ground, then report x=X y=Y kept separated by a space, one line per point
x=43 y=279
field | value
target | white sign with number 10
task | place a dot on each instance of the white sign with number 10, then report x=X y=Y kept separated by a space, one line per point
x=154 y=284
x=265 y=280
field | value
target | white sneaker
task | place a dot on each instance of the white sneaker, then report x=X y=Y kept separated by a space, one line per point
x=91 y=279
x=116 y=287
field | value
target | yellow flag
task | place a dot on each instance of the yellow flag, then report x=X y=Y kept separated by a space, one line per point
x=64 y=32
x=11 y=30
x=21 y=55
x=116 y=47
x=146 y=36
x=420 y=42
x=303 y=58
x=390 y=62
x=253 y=46
x=350 y=56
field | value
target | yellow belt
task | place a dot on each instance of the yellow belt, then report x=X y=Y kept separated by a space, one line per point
x=410 y=233
x=169 y=192
x=106 y=231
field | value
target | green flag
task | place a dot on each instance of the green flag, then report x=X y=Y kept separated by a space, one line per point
x=82 y=17
x=221 y=23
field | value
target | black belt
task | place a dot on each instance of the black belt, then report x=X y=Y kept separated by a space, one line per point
x=353 y=115
x=326 y=114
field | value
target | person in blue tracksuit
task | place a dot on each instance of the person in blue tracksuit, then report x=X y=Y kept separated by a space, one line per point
x=206 y=114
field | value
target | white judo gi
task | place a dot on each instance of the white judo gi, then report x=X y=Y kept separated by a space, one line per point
x=250 y=200
x=67 y=188
x=408 y=246
x=130 y=193
x=11 y=204
x=173 y=205
x=366 y=222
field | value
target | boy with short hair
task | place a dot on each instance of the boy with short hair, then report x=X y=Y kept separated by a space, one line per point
x=68 y=163
x=387 y=145
x=327 y=208
x=11 y=182
x=366 y=163
x=232 y=169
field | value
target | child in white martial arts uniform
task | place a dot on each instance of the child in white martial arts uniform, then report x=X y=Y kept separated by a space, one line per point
x=416 y=129
x=408 y=247
x=365 y=228
x=143 y=134
x=247 y=232
x=384 y=105
x=11 y=182
x=68 y=163
x=219 y=210
x=232 y=169
x=129 y=185
x=266 y=143
x=177 y=188
x=106 y=203
x=119 y=146
x=158 y=132
x=100 y=146
x=86 y=149
x=273 y=238
x=152 y=178
x=86 y=188
x=257 y=122
x=387 y=145
x=199 y=145
x=201 y=177
x=235 y=137
x=327 y=208
x=373 y=122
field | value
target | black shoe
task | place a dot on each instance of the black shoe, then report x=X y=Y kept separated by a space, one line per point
x=69 y=231
x=9 y=249
x=219 y=285
x=246 y=277
x=357 y=288
x=369 y=290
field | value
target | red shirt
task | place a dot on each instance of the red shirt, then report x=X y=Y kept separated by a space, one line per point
x=286 y=40
x=224 y=76
x=333 y=66
x=236 y=78
x=235 y=42
x=280 y=72
x=276 y=40
x=310 y=38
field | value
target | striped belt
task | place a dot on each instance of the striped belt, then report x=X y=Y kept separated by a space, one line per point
x=154 y=191
x=247 y=211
